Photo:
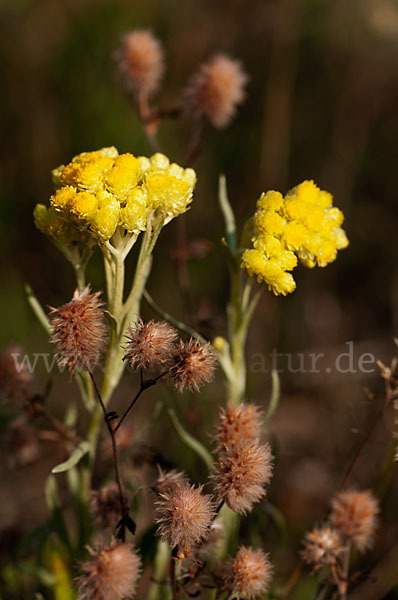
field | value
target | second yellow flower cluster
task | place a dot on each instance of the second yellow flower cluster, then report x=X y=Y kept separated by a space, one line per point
x=302 y=225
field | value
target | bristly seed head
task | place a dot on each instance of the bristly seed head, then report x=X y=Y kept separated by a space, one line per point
x=238 y=424
x=322 y=545
x=79 y=331
x=184 y=516
x=240 y=474
x=193 y=365
x=149 y=344
x=354 y=515
x=111 y=574
x=216 y=89
x=141 y=61
x=169 y=480
x=247 y=575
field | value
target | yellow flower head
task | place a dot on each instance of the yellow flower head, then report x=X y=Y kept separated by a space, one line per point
x=135 y=213
x=123 y=176
x=268 y=222
x=304 y=224
x=48 y=221
x=87 y=171
x=168 y=193
x=270 y=201
x=98 y=192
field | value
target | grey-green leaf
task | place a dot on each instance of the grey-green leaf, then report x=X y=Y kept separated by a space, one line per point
x=77 y=454
x=191 y=441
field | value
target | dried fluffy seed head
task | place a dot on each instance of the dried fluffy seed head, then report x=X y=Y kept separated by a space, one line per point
x=149 y=344
x=111 y=574
x=240 y=474
x=185 y=516
x=354 y=515
x=169 y=480
x=79 y=331
x=194 y=364
x=16 y=384
x=247 y=575
x=105 y=504
x=321 y=546
x=238 y=424
x=216 y=89
x=141 y=61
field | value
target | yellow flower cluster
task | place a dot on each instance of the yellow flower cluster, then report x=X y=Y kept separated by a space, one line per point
x=302 y=225
x=100 y=191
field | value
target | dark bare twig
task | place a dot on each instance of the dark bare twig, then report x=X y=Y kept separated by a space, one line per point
x=123 y=508
x=144 y=385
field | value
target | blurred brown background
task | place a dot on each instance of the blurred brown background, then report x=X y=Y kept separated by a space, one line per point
x=321 y=104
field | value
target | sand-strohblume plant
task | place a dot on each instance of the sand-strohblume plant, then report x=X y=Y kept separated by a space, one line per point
x=140 y=511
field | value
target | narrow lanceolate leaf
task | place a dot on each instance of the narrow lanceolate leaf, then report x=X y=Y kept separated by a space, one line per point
x=77 y=454
x=37 y=308
x=191 y=441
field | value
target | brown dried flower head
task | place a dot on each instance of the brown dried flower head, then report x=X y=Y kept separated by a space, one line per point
x=169 y=480
x=149 y=344
x=111 y=574
x=194 y=365
x=237 y=424
x=141 y=61
x=354 y=515
x=184 y=517
x=16 y=382
x=79 y=331
x=216 y=89
x=322 y=545
x=240 y=474
x=105 y=504
x=247 y=575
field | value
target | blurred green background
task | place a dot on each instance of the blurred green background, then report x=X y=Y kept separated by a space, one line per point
x=321 y=104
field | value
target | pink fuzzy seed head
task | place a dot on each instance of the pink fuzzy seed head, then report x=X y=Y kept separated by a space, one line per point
x=354 y=514
x=149 y=344
x=216 y=89
x=184 y=517
x=247 y=575
x=111 y=574
x=79 y=331
x=240 y=474
x=193 y=365
x=141 y=61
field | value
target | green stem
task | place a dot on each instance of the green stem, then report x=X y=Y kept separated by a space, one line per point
x=159 y=589
x=237 y=333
